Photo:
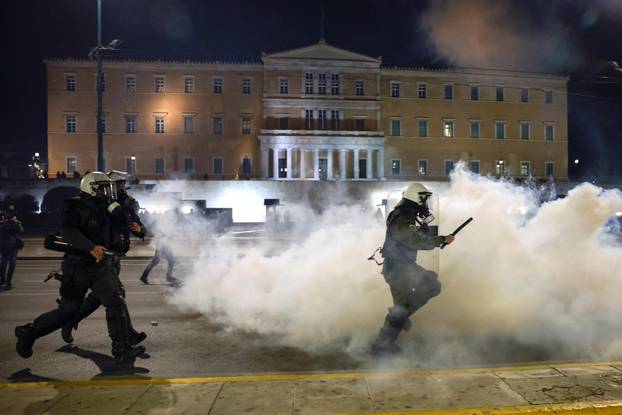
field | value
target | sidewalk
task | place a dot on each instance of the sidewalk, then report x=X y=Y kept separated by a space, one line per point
x=573 y=388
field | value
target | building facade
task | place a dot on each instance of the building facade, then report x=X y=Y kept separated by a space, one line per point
x=313 y=113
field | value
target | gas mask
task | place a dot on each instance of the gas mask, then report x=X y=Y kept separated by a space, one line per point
x=423 y=212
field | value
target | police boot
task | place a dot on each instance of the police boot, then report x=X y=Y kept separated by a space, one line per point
x=118 y=330
x=385 y=342
x=25 y=340
x=134 y=336
x=65 y=333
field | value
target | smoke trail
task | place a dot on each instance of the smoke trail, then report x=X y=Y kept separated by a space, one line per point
x=534 y=275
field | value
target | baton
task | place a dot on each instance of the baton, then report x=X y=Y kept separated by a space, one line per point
x=458 y=229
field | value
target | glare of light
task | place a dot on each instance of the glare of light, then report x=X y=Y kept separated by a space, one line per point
x=36 y=154
x=133 y=157
x=619 y=214
x=186 y=209
x=576 y=161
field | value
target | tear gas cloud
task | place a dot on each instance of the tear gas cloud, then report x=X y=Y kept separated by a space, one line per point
x=535 y=275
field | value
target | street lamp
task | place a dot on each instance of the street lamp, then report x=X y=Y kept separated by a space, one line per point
x=97 y=52
x=576 y=161
x=501 y=167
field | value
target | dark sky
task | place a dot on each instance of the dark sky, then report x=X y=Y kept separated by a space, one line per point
x=572 y=37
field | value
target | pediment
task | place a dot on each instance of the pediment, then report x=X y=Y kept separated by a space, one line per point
x=321 y=51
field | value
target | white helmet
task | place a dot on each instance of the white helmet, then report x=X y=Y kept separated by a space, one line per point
x=119 y=179
x=97 y=184
x=418 y=193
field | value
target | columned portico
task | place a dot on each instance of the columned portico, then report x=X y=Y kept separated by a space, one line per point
x=323 y=147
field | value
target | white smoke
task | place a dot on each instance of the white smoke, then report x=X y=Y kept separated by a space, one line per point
x=538 y=276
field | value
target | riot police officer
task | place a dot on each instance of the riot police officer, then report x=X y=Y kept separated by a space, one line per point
x=85 y=226
x=124 y=219
x=411 y=285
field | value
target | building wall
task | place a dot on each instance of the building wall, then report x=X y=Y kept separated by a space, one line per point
x=266 y=104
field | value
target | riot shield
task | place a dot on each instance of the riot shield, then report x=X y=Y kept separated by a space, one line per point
x=428 y=259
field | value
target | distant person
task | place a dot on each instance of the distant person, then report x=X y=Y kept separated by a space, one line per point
x=63 y=175
x=378 y=216
x=58 y=174
x=76 y=174
x=10 y=244
x=161 y=251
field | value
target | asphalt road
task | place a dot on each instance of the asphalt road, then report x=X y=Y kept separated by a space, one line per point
x=180 y=345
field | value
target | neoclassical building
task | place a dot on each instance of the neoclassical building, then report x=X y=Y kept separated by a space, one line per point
x=313 y=113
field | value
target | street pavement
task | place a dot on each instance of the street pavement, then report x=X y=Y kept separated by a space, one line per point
x=195 y=366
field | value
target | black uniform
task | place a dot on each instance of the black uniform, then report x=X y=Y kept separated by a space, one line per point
x=85 y=223
x=10 y=244
x=411 y=285
x=121 y=215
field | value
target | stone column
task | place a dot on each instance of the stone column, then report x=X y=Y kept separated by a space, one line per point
x=370 y=173
x=316 y=164
x=381 y=164
x=275 y=163
x=356 y=163
x=329 y=164
x=342 y=163
x=289 y=162
x=303 y=163
x=265 y=155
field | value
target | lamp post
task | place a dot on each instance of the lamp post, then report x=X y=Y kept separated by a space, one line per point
x=97 y=52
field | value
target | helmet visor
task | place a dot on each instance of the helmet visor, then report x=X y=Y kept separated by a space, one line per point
x=105 y=190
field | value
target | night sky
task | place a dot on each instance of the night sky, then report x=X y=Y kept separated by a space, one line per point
x=573 y=37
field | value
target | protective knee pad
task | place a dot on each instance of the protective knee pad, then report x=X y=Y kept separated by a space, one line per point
x=398 y=315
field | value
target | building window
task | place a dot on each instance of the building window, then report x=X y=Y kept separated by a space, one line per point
x=72 y=164
x=499 y=130
x=246 y=166
x=396 y=127
x=395 y=89
x=71 y=123
x=422 y=90
x=308 y=119
x=474 y=165
x=217 y=125
x=549 y=132
x=396 y=167
x=188 y=124
x=246 y=86
x=525 y=169
x=159 y=124
x=283 y=123
x=308 y=83
x=334 y=120
x=130 y=165
x=474 y=131
x=321 y=116
x=474 y=92
x=449 y=167
x=217 y=165
x=188 y=165
x=189 y=84
x=130 y=124
x=448 y=128
x=524 y=95
x=246 y=125
x=499 y=93
x=359 y=124
x=360 y=88
x=549 y=168
x=548 y=97
x=321 y=84
x=525 y=130
x=422 y=128
x=217 y=86
x=283 y=86
x=159 y=165
x=449 y=91
x=159 y=84
x=130 y=83
x=422 y=167
x=500 y=168
x=334 y=84
x=70 y=82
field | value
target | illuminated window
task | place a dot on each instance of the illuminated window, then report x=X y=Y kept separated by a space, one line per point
x=422 y=167
x=396 y=167
x=130 y=165
x=71 y=163
x=448 y=128
x=70 y=82
x=525 y=168
x=159 y=124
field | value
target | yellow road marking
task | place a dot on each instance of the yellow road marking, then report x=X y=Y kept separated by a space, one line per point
x=301 y=376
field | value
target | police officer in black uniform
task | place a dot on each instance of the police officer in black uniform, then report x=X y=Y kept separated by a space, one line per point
x=412 y=286
x=124 y=219
x=85 y=226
